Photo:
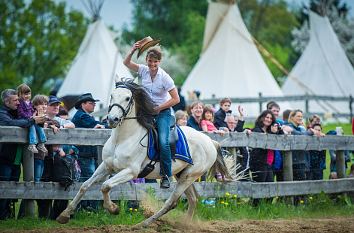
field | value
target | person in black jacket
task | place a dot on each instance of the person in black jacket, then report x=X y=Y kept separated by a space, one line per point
x=87 y=154
x=11 y=153
x=219 y=117
x=261 y=160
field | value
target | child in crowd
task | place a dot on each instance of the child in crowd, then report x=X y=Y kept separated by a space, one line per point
x=207 y=124
x=63 y=113
x=40 y=103
x=317 y=159
x=181 y=118
x=27 y=110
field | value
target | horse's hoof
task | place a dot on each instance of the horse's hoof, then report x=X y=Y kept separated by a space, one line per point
x=62 y=219
x=114 y=210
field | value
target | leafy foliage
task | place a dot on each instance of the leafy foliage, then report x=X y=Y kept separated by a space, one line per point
x=180 y=25
x=38 y=40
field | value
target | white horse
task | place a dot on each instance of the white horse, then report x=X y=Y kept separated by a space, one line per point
x=124 y=154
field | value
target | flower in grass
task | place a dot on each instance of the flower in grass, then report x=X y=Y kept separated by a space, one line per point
x=136 y=210
x=227 y=194
x=226 y=203
x=301 y=201
x=310 y=197
x=222 y=202
x=234 y=196
x=130 y=209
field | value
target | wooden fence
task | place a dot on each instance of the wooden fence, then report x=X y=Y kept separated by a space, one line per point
x=30 y=190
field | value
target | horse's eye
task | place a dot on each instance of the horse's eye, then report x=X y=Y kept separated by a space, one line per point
x=127 y=99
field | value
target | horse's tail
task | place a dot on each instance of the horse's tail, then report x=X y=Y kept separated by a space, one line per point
x=219 y=167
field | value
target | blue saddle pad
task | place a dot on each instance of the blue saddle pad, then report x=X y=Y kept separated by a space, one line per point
x=182 y=149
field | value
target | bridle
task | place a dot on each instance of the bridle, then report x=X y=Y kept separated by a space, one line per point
x=125 y=110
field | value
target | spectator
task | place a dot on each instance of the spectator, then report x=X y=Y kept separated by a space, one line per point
x=25 y=111
x=85 y=105
x=40 y=103
x=181 y=118
x=234 y=124
x=196 y=115
x=261 y=160
x=63 y=113
x=317 y=159
x=11 y=153
x=225 y=105
x=314 y=119
x=45 y=207
x=182 y=102
x=286 y=114
x=278 y=157
x=207 y=122
x=301 y=160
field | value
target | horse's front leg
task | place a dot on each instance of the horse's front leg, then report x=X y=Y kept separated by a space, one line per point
x=121 y=177
x=100 y=174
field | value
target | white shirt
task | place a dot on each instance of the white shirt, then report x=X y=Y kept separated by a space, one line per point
x=159 y=87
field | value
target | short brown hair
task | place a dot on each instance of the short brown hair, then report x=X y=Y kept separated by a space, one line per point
x=225 y=100
x=208 y=109
x=154 y=53
x=23 y=89
x=39 y=99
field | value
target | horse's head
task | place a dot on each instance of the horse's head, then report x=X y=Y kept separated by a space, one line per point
x=120 y=105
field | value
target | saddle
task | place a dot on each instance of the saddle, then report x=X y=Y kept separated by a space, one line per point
x=178 y=145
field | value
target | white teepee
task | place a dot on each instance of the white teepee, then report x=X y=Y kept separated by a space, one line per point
x=323 y=69
x=230 y=65
x=95 y=66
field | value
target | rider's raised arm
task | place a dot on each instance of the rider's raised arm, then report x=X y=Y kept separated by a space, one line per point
x=128 y=59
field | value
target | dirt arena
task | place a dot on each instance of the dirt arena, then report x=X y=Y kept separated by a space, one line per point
x=342 y=225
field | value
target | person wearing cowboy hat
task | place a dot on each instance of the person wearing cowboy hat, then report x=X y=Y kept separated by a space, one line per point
x=85 y=105
x=161 y=88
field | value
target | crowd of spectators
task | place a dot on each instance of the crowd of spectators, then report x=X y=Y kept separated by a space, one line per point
x=260 y=165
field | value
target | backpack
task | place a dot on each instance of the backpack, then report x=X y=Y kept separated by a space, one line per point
x=64 y=170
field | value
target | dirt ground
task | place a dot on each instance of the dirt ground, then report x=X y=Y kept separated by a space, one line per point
x=341 y=225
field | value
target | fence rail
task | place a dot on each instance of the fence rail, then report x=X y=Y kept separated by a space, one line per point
x=49 y=190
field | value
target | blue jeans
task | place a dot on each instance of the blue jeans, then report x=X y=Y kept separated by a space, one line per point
x=88 y=167
x=163 y=127
x=38 y=169
x=8 y=173
x=32 y=133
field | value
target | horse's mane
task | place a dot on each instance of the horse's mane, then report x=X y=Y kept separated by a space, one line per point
x=144 y=106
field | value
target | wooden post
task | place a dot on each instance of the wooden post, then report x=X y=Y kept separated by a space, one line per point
x=306 y=104
x=28 y=175
x=340 y=163
x=99 y=155
x=351 y=108
x=288 y=166
x=260 y=101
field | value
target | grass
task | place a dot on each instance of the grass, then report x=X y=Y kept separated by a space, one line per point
x=229 y=208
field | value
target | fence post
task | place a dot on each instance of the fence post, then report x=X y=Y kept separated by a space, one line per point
x=351 y=108
x=260 y=101
x=306 y=103
x=28 y=175
x=288 y=166
x=340 y=163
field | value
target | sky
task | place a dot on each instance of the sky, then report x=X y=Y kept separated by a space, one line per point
x=119 y=12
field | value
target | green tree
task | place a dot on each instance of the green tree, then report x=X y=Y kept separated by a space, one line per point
x=270 y=22
x=178 y=23
x=38 y=40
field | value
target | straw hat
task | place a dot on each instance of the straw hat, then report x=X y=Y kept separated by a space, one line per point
x=146 y=43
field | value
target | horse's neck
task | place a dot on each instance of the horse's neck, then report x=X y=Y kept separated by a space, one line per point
x=128 y=128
